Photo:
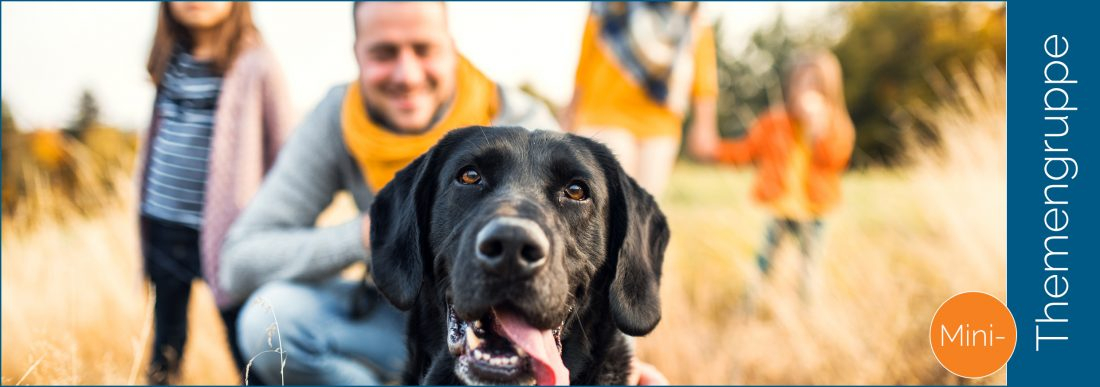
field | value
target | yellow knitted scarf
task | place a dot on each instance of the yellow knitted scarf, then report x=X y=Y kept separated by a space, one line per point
x=380 y=153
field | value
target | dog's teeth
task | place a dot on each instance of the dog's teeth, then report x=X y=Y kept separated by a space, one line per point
x=472 y=341
x=477 y=324
x=513 y=359
x=519 y=351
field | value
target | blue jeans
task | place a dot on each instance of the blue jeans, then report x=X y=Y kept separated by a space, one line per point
x=322 y=342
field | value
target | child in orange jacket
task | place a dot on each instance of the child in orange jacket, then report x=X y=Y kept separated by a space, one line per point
x=800 y=149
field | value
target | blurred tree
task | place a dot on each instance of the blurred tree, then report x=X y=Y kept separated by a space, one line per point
x=51 y=172
x=752 y=79
x=11 y=158
x=9 y=121
x=87 y=115
x=892 y=54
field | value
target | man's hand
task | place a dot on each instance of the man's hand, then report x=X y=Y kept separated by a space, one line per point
x=644 y=374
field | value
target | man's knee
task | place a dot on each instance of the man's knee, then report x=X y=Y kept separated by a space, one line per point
x=279 y=319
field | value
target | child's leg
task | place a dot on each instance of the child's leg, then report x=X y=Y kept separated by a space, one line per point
x=172 y=263
x=809 y=240
x=656 y=158
x=773 y=234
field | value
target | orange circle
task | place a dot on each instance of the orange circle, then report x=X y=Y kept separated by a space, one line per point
x=973 y=334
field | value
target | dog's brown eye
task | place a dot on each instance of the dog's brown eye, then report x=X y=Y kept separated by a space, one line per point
x=469 y=175
x=576 y=190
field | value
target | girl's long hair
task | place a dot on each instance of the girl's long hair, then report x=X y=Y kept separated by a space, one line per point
x=828 y=70
x=232 y=37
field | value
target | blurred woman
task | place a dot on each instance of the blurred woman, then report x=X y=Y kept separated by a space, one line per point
x=800 y=148
x=641 y=65
x=219 y=118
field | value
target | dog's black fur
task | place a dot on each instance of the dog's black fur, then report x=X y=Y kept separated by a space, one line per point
x=602 y=271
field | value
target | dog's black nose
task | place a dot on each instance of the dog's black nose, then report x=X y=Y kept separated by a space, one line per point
x=512 y=247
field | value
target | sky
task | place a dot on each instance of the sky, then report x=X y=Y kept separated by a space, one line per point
x=51 y=52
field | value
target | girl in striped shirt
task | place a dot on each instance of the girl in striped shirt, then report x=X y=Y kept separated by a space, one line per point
x=218 y=119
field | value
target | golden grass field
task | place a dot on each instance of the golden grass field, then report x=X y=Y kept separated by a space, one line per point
x=903 y=242
x=75 y=310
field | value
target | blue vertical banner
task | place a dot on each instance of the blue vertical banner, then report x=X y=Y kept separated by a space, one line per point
x=1053 y=144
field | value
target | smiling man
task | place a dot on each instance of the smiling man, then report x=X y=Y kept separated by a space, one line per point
x=413 y=88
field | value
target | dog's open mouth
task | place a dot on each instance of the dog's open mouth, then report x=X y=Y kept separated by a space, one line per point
x=502 y=348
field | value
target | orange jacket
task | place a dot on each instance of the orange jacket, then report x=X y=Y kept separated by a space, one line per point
x=769 y=143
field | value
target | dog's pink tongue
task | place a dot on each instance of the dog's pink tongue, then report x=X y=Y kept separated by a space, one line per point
x=539 y=345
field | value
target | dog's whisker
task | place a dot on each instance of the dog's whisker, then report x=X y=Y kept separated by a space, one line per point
x=575 y=315
x=484 y=137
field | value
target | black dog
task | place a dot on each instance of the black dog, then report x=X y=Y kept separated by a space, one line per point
x=524 y=256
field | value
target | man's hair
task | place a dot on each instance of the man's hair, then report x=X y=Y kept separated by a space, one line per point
x=354 y=21
x=355 y=11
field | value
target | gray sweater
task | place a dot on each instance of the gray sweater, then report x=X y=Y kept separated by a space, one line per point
x=275 y=238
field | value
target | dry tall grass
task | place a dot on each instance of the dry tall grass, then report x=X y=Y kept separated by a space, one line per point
x=76 y=312
x=902 y=243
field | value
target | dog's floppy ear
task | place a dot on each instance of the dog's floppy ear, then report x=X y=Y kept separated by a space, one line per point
x=638 y=237
x=400 y=217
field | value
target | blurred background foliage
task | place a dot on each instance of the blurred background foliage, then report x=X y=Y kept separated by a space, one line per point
x=893 y=55
x=78 y=165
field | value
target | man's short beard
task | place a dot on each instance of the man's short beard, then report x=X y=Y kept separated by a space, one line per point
x=381 y=120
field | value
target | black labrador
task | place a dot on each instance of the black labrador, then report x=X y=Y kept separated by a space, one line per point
x=524 y=256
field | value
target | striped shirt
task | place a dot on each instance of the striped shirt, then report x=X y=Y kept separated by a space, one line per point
x=177 y=170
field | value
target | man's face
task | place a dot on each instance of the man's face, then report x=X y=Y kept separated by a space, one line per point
x=406 y=61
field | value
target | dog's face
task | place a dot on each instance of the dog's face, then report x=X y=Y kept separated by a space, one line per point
x=510 y=230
